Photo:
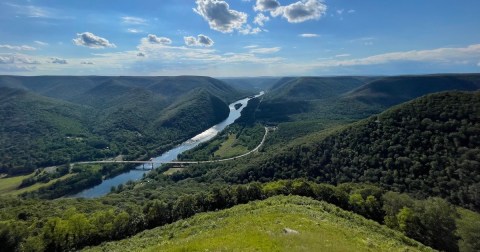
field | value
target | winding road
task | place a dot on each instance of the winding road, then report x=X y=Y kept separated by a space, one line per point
x=180 y=162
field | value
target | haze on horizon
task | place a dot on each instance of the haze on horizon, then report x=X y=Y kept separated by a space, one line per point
x=223 y=38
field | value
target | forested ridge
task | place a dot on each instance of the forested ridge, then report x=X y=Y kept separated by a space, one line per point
x=428 y=147
x=91 y=118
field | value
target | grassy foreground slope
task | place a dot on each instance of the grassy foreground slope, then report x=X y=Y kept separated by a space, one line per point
x=282 y=223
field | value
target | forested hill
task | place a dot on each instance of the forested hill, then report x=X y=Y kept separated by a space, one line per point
x=429 y=147
x=78 y=88
x=350 y=98
x=394 y=90
x=311 y=88
x=53 y=120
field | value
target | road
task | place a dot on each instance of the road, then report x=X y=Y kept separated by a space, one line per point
x=179 y=162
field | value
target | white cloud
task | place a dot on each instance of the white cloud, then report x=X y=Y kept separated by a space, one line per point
x=200 y=40
x=478 y=64
x=40 y=43
x=153 y=39
x=340 y=11
x=133 y=30
x=247 y=29
x=17 y=59
x=351 y=11
x=219 y=15
x=54 y=60
x=18 y=48
x=302 y=11
x=342 y=55
x=134 y=20
x=32 y=11
x=261 y=19
x=440 y=55
x=90 y=40
x=250 y=46
x=309 y=35
x=265 y=50
x=266 y=5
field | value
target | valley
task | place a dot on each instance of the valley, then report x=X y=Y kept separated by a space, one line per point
x=367 y=163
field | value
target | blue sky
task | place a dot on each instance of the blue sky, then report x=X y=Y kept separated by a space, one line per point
x=238 y=37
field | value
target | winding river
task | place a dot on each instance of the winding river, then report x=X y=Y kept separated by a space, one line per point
x=136 y=174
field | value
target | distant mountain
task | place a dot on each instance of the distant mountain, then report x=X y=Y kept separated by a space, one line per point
x=198 y=107
x=427 y=147
x=37 y=130
x=312 y=98
x=394 y=90
x=49 y=120
x=312 y=88
x=251 y=84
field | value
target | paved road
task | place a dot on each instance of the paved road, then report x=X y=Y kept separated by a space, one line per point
x=178 y=162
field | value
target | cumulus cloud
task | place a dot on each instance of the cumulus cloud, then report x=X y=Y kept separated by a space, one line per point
x=247 y=29
x=134 y=20
x=153 y=39
x=302 y=11
x=90 y=40
x=219 y=15
x=87 y=63
x=18 y=48
x=309 y=35
x=266 y=50
x=266 y=5
x=261 y=19
x=54 y=60
x=200 y=40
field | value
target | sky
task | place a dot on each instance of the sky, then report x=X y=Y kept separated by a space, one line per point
x=239 y=38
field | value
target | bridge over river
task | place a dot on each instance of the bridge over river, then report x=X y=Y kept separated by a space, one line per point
x=152 y=162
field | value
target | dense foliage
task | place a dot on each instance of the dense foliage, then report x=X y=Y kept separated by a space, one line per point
x=74 y=228
x=104 y=117
x=429 y=147
x=279 y=223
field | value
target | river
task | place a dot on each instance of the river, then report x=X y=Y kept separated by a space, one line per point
x=136 y=174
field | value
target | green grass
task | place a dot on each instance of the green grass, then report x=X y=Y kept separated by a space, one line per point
x=173 y=170
x=10 y=184
x=37 y=186
x=259 y=226
x=229 y=148
x=468 y=224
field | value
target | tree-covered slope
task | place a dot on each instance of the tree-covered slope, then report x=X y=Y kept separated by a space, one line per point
x=346 y=99
x=312 y=88
x=394 y=90
x=428 y=147
x=38 y=131
x=197 y=109
x=282 y=223
x=102 y=117
x=253 y=84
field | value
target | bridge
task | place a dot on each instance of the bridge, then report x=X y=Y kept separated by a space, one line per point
x=153 y=162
